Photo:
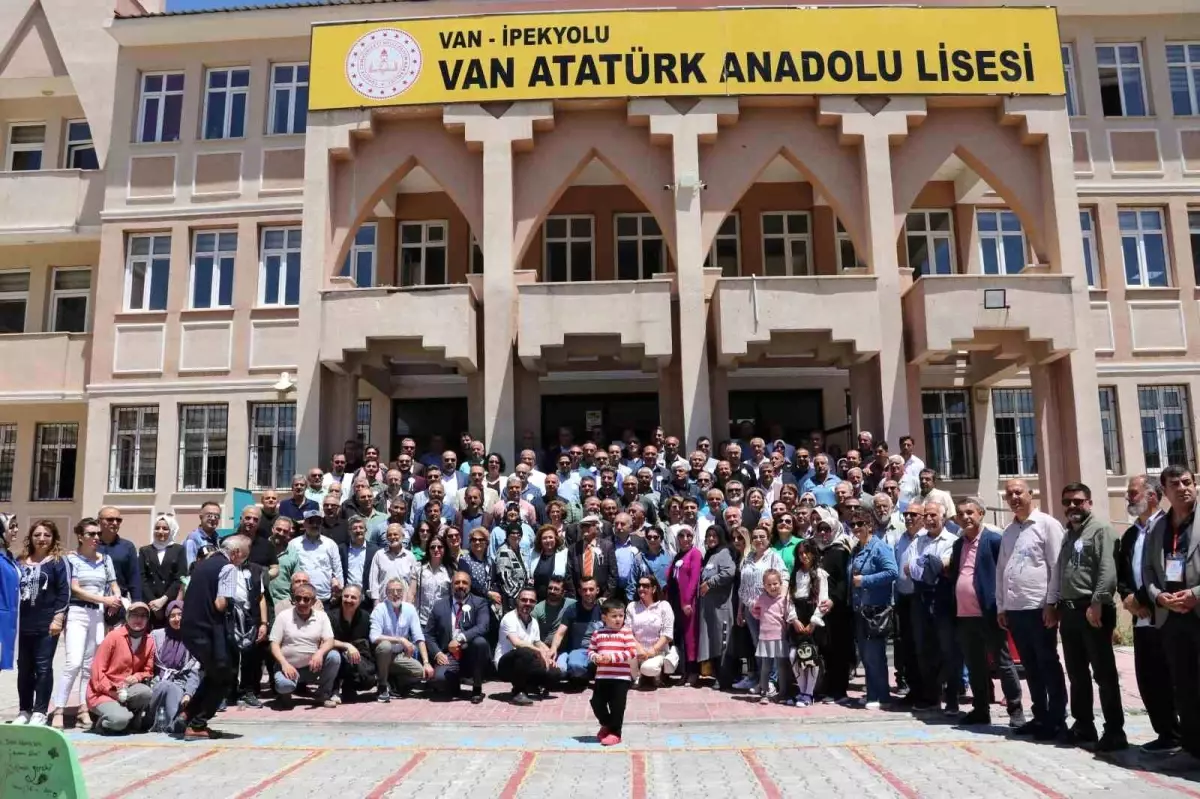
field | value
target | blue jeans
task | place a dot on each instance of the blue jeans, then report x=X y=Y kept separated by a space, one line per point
x=1038 y=648
x=873 y=654
x=35 y=670
x=575 y=664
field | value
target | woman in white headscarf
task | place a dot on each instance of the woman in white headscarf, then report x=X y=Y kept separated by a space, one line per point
x=163 y=564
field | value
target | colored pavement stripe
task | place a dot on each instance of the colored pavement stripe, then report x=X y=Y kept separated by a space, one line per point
x=105 y=751
x=770 y=789
x=254 y=790
x=132 y=788
x=883 y=772
x=638 y=775
x=391 y=782
x=1154 y=779
x=1044 y=790
x=514 y=782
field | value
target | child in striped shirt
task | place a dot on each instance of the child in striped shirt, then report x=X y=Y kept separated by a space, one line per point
x=612 y=647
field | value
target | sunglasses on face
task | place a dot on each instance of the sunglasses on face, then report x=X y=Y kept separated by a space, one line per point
x=859 y=524
x=644 y=586
x=113 y=520
x=90 y=534
x=304 y=600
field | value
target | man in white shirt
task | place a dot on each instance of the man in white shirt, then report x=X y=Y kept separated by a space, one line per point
x=521 y=657
x=450 y=472
x=319 y=557
x=337 y=474
x=928 y=478
x=537 y=478
x=396 y=637
x=912 y=464
x=1026 y=587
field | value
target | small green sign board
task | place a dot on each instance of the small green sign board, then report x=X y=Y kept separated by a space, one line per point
x=38 y=763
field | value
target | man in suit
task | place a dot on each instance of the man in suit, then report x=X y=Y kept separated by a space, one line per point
x=595 y=558
x=972 y=578
x=456 y=636
x=1171 y=578
x=1142 y=498
x=357 y=557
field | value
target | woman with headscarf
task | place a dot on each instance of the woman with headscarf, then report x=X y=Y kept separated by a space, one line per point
x=683 y=577
x=715 y=603
x=509 y=574
x=176 y=672
x=838 y=649
x=163 y=565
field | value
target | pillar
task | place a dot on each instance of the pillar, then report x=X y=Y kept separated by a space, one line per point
x=496 y=135
x=866 y=412
x=719 y=386
x=339 y=410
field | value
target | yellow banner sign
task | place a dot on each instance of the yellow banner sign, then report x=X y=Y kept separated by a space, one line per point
x=781 y=51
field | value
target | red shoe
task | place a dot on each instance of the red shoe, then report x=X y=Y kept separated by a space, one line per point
x=600 y=736
x=610 y=740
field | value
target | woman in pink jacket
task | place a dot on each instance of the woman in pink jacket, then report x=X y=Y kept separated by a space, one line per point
x=683 y=578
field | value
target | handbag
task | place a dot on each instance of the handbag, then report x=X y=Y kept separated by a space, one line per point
x=878 y=620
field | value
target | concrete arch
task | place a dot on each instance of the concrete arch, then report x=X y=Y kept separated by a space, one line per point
x=732 y=163
x=995 y=152
x=541 y=175
x=381 y=160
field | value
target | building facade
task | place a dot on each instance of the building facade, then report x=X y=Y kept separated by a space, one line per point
x=1010 y=279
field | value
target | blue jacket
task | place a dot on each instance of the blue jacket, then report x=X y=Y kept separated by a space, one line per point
x=985 y=571
x=876 y=562
x=125 y=562
x=50 y=596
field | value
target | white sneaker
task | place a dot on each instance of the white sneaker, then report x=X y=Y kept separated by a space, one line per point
x=872 y=706
x=37 y=720
x=772 y=690
x=21 y=720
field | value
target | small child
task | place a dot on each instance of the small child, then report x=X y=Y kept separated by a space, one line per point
x=774 y=612
x=611 y=649
x=809 y=587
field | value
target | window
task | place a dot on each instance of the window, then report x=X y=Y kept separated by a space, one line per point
x=423 y=254
x=203 y=438
x=8 y=460
x=146 y=269
x=1110 y=430
x=360 y=261
x=161 y=107
x=1194 y=228
x=279 y=278
x=289 y=98
x=1068 y=59
x=1122 y=92
x=69 y=300
x=25 y=143
x=1183 y=68
x=1143 y=246
x=212 y=268
x=1016 y=441
x=363 y=422
x=1001 y=242
x=949 y=443
x=569 y=249
x=1166 y=426
x=225 y=103
x=133 y=452
x=641 y=251
x=476 y=265
x=929 y=239
x=1091 y=258
x=726 y=250
x=272 y=444
x=787 y=245
x=846 y=256
x=55 y=456
x=14 y=298
x=81 y=151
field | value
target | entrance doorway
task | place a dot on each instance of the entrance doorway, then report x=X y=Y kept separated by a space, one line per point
x=421 y=419
x=798 y=412
x=613 y=413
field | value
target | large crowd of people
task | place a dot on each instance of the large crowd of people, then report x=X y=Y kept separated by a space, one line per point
x=759 y=567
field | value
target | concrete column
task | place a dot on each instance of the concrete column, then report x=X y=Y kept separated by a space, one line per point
x=339 y=404
x=94 y=463
x=496 y=136
x=877 y=245
x=916 y=422
x=866 y=413
x=1051 y=463
x=719 y=387
x=671 y=414
x=686 y=131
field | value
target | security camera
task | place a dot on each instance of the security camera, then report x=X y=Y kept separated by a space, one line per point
x=285 y=383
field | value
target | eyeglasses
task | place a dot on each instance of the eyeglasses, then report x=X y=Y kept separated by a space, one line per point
x=1075 y=502
x=912 y=515
x=304 y=600
x=646 y=586
x=479 y=540
x=90 y=534
x=112 y=520
x=654 y=538
x=859 y=523
x=437 y=548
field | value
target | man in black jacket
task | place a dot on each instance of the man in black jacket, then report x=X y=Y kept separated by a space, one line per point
x=456 y=637
x=363 y=554
x=1142 y=498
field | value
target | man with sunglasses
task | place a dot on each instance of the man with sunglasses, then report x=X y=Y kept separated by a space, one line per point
x=205 y=534
x=123 y=553
x=521 y=657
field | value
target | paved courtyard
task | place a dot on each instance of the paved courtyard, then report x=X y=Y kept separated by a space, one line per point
x=678 y=743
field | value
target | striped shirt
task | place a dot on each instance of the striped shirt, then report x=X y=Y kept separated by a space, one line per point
x=621 y=648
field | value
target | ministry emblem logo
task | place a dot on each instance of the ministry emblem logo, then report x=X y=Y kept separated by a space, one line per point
x=383 y=63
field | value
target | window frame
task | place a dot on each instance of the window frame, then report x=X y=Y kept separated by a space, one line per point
x=640 y=238
x=842 y=236
x=362 y=421
x=231 y=92
x=281 y=456
x=142 y=452
x=710 y=258
x=1194 y=238
x=998 y=236
x=423 y=245
x=23 y=296
x=1073 y=98
x=161 y=95
x=971 y=469
x=1191 y=71
x=1024 y=459
x=569 y=239
x=1091 y=251
x=72 y=147
x=40 y=447
x=787 y=238
x=931 y=237
x=1140 y=233
x=8 y=459
x=207 y=452
x=265 y=253
x=1120 y=69
x=292 y=87
x=1110 y=430
x=57 y=294
x=223 y=260
x=12 y=148
x=475 y=265
x=1159 y=391
x=350 y=265
x=150 y=258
